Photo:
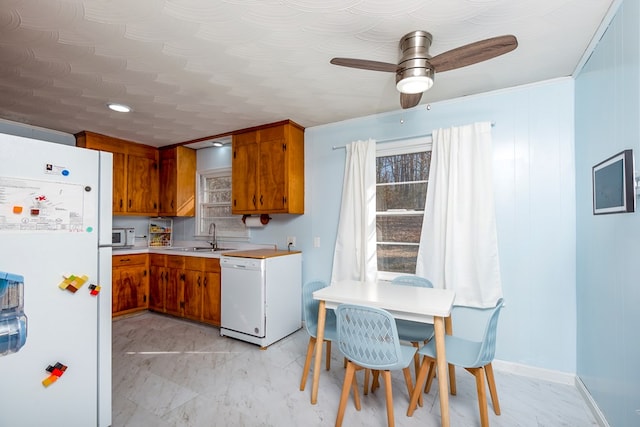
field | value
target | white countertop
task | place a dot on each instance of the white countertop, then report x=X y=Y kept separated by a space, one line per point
x=184 y=249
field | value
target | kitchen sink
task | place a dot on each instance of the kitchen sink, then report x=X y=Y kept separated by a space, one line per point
x=201 y=249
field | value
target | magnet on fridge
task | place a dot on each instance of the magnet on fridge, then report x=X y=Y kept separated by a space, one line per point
x=56 y=372
x=94 y=289
x=17 y=209
x=72 y=283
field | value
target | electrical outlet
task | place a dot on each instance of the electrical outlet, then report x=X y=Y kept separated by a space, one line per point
x=291 y=240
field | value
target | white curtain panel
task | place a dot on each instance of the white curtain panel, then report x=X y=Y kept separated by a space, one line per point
x=459 y=245
x=354 y=257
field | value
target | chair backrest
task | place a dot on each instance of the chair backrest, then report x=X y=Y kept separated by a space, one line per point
x=488 y=345
x=368 y=336
x=412 y=281
x=310 y=306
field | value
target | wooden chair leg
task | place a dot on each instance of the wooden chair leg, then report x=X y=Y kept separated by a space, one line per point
x=407 y=381
x=367 y=374
x=328 y=356
x=389 y=396
x=431 y=375
x=482 y=396
x=307 y=363
x=376 y=381
x=354 y=387
x=416 y=358
x=346 y=385
x=417 y=390
x=492 y=388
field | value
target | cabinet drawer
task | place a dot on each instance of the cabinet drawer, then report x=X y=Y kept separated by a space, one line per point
x=193 y=263
x=157 y=260
x=175 y=261
x=212 y=265
x=126 y=260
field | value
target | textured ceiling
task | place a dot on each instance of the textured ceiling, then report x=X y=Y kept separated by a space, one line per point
x=196 y=68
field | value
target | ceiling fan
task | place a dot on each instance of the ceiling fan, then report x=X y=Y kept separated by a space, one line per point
x=416 y=68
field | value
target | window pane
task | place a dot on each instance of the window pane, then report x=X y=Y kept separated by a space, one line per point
x=215 y=211
x=397 y=258
x=403 y=167
x=400 y=198
x=399 y=228
x=409 y=196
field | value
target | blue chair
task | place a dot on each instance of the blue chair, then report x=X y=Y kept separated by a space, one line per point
x=368 y=338
x=474 y=356
x=310 y=316
x=414 y=332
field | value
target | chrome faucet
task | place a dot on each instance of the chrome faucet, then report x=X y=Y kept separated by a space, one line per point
x=214 y=239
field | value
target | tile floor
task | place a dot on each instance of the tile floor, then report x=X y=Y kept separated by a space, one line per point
x=172 y=372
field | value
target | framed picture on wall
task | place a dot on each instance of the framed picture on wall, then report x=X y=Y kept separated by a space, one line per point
x=613 y=184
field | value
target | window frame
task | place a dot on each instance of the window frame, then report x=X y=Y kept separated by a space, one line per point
x=397 y=147
x=221 y=233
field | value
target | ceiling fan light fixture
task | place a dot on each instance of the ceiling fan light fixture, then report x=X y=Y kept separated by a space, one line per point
x=414 y=80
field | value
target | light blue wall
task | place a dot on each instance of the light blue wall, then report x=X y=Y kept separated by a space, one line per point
x=608 y=246
x=535 y=206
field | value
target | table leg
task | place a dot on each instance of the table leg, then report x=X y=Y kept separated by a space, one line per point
x=441 y=362
x=448 y=328
x=322 y=314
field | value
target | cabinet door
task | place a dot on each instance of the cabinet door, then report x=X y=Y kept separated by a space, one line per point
x=273 y=176
x=211 y=298
x=244 y=169
x=174 y=292
x=193 y=294
x=157 y=286
x=142 y=185
x=119 y=184
x=168 y=183
x=129 y=291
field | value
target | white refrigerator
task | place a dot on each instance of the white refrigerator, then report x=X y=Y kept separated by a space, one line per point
x=55 y=284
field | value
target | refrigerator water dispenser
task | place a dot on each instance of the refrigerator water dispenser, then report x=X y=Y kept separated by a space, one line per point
x=13 y=322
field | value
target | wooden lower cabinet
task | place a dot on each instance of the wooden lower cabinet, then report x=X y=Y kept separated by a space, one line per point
x=211 y=292
x=158 y=279
x=185 y=286
x=130 y=283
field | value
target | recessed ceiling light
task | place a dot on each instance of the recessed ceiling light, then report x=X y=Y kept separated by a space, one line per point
x=120 y=108
x=218 y=144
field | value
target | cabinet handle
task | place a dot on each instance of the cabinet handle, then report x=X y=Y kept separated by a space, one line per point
x=144 y=274
x=261 y=200
x=182 y=276
x=284 y=200
x=198 y=281
x=120 y=203
x=254 y=200
x=284 y=147
x=125 y=259
x=171 y=204
x=129 y=202
x=205 y=282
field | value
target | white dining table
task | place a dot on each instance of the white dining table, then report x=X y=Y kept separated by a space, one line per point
x=427 y=305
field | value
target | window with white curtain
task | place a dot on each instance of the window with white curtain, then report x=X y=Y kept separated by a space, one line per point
x=402 y=172
x=214 y=206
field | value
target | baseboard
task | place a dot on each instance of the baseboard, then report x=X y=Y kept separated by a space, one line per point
x=534 y=372
x=557 y=377
x=598 y=415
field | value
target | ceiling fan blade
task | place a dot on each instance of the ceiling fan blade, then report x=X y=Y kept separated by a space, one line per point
x=408 y=100
x=365 y=64
x=473 y=53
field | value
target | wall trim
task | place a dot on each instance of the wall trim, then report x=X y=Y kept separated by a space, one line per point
x=534 y=372
x=591 y=403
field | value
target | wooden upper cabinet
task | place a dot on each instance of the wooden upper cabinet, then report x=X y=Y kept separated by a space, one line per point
x=177 y=182
x=135 y=173
x=267 y=170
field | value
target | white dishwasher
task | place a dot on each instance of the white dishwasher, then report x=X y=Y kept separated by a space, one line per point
x=261 y=295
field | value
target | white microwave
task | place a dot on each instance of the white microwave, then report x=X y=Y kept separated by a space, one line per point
x=123 y=237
